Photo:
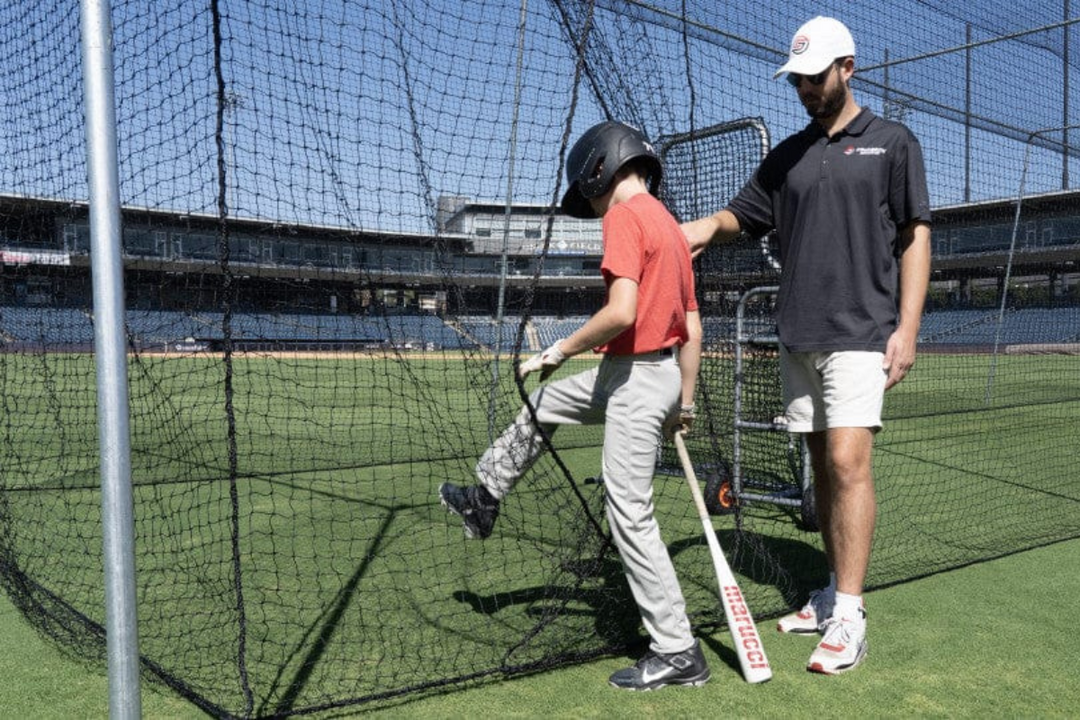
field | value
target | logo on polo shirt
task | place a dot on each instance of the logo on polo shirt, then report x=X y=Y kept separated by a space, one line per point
x=799 y=44
x=870 y=151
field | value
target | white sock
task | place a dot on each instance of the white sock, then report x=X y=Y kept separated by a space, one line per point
x=847 y=606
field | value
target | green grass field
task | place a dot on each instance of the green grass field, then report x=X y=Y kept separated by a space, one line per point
x=994 y=639
x=355 y=581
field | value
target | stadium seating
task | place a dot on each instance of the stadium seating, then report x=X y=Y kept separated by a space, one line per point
x=981 y=327
x=73 y=327
x=550 y=329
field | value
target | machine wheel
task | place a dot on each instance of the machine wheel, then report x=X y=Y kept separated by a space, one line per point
x=808 y=520
x=719 y=495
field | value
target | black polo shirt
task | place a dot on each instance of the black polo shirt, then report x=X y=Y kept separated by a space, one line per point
x=838 y=205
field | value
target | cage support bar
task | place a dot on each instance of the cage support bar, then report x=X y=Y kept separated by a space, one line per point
x=103 y=178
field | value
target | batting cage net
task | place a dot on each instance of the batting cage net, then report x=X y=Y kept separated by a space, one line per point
x=340 y=231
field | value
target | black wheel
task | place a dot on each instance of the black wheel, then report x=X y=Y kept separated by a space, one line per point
x=808 y=511
x=719 y=495
x=798 y=460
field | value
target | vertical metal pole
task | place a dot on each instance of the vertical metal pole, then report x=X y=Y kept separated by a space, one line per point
x=508 y=210
x=967 y=114
x=1004 y=292
x=886 y=100
x=1065 y=100
x=507 y=214
x=111 y=361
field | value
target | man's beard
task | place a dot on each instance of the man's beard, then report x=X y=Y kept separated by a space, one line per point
x=829 y=105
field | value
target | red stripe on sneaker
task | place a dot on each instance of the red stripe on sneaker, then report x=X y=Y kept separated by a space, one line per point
x=832 y=648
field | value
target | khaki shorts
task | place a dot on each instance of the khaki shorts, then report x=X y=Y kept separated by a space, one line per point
x=825 y=390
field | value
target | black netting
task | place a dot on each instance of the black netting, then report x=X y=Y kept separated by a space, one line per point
x=339 y=231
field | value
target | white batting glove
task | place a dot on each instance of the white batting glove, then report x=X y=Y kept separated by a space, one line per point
x=681 y=421
x=546 y=362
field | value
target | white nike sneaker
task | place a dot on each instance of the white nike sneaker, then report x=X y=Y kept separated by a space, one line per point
x=811 y=618
x=842 y=647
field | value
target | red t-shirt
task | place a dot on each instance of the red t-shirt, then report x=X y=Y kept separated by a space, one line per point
x=642 y=242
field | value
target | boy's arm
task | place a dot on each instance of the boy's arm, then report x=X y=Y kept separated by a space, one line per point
x=618 y=314
x=689 y=364
x=690 y=357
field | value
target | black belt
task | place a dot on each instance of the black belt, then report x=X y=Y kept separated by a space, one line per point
x=662 y=352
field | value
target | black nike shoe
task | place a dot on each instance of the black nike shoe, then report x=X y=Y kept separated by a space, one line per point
x=656 y=670
x=474 y=505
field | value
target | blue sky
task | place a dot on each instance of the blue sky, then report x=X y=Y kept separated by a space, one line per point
x=362 y=114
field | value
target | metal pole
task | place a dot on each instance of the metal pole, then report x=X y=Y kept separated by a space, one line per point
x=508 y=211
x=1065 y=101
x=121 y=627
x=1008 y=274
x=507 y=215
x=886 y=107
x=967 y=114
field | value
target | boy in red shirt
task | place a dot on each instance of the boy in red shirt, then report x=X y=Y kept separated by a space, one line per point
x=649 y=332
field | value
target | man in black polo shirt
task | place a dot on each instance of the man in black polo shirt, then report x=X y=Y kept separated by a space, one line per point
x=848 y=200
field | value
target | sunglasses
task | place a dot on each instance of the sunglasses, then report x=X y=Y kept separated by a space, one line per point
x=796 y=78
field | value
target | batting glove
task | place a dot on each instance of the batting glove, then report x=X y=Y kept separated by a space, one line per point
x=683 y=421
x=546 y=362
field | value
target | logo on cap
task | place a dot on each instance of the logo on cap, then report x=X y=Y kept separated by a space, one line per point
x=799 y=44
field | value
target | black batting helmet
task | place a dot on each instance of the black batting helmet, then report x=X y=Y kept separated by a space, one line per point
x=597 y=156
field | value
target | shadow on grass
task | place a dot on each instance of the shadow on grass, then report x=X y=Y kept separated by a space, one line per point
x=607 y=599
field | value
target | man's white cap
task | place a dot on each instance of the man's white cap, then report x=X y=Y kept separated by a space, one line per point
x=816 y=44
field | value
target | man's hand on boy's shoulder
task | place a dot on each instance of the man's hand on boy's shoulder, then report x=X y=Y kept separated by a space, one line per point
x=697 y=236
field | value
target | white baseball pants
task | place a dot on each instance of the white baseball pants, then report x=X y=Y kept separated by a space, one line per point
x=632 y=396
